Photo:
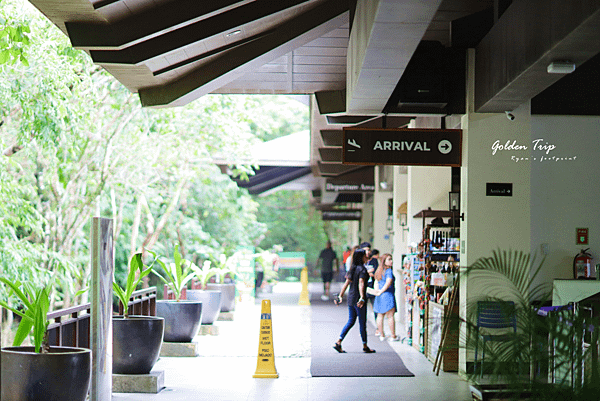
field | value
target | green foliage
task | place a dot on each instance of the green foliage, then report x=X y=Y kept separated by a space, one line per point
x=206 y=272
x=296 y=226
x=35 y=302
x=226 y=265
x=510 y=276
x=177 y=273
x=124 y=294
x=14 y=35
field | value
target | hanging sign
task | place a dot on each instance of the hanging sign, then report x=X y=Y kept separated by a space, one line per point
x=403 y=147
x=345 y=214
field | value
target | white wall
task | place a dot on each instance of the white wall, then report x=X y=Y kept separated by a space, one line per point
x=491 y=222
x=399 y=246
x=565 y=194
x=382 y=237
x=428 y=187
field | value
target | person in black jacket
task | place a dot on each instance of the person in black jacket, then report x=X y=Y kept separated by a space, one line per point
x=356 y=280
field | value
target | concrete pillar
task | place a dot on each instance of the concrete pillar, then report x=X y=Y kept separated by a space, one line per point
x=491 y=222
x=399 y=239
x=366 y=223
x=428 y=187
x=102 y=259
x=382 y=234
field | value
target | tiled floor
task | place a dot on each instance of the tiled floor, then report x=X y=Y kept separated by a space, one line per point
x=227 y=362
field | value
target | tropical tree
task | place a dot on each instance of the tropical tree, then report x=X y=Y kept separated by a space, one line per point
x=296 y=226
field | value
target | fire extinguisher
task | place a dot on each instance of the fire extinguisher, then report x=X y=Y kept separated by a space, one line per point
x=582 y=264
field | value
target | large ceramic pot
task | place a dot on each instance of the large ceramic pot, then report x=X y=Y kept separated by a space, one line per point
x=63 y=374
x=227 y=295
x=182 y=319
x=136 y=343
x=211 y=303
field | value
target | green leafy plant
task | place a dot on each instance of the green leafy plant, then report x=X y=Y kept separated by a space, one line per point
x=224 y=266
x=124 y=294
x=177 y=273
x=540 y=341
x=35 y=302
x=206 y=272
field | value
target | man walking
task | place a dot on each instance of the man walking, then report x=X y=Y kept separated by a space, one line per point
x=327 y=260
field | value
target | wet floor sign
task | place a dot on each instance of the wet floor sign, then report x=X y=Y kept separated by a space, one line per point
x=265 y=365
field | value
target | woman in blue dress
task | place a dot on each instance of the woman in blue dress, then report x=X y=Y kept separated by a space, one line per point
x=385 y=302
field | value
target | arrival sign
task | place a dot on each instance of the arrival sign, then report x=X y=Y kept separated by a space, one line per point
x=404 y=147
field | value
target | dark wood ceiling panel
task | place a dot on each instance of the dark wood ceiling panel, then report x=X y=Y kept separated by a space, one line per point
x=512 y=59
x=208 y=77
x=318 y=60
x=317 y=77
x=325 y=69
x=221 y=24
x=331 y=155
x=332 y=137
x=132 y=28
x=322 y=51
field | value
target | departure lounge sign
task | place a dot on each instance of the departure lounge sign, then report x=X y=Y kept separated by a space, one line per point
x=402 y=147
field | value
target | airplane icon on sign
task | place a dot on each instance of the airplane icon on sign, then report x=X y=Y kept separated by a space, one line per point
x=352 y=142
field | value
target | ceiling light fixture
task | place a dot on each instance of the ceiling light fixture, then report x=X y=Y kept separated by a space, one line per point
x=561 y=67
x=233 y=33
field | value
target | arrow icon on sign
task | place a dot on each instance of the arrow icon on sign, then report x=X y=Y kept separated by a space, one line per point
x=353 y=143
x=445 y=146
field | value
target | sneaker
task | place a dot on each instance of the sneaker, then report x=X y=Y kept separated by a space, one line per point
x=396 y=338
x=324 y=298
x=381 y=338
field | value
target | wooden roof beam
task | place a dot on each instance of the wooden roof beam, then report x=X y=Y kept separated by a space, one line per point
x=138 y=27
x=232 y=64
x=192 y=33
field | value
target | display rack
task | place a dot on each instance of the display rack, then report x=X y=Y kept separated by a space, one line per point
x=413 y=273
x=438 y=254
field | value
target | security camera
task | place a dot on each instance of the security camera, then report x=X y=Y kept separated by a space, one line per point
x=510 y=115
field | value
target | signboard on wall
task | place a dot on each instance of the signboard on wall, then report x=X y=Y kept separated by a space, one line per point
x=402 y=147
x=583 y=235
x=361 y=180
x=498 y=189
x=345 y=214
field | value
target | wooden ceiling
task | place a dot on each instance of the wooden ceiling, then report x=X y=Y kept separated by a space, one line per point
x=366 y=53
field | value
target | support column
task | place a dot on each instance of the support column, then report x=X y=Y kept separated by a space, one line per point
x=491 y=222
x=366 y=223
x=102 y=254
x=399 y=247
x=382 y=236
x=428 y=187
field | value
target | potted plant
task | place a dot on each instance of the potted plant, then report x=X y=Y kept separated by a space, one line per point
x=136 y=339
x=211 y=299
x=182 y=317
x=225 y=275
x=547 y=338
x=41 y=372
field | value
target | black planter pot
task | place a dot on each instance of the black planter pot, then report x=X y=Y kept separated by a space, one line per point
x=63 y=374
x=227 y=295
x=136 y=343
x=211 y=303
x=182 y=319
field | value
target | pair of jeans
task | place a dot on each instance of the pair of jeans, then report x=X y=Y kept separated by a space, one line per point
x=354 y=312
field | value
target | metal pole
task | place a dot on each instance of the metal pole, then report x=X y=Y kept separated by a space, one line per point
x=102 y=254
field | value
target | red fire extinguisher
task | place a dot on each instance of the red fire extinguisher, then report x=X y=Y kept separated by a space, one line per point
x=582 y=264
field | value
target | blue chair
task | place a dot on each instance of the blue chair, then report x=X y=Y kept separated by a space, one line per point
x=493 y=316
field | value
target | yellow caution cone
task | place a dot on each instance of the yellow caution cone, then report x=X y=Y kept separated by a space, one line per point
x=304 y=298
x=265 y=365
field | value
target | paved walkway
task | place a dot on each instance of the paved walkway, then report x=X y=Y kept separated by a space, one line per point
x=224 y=369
